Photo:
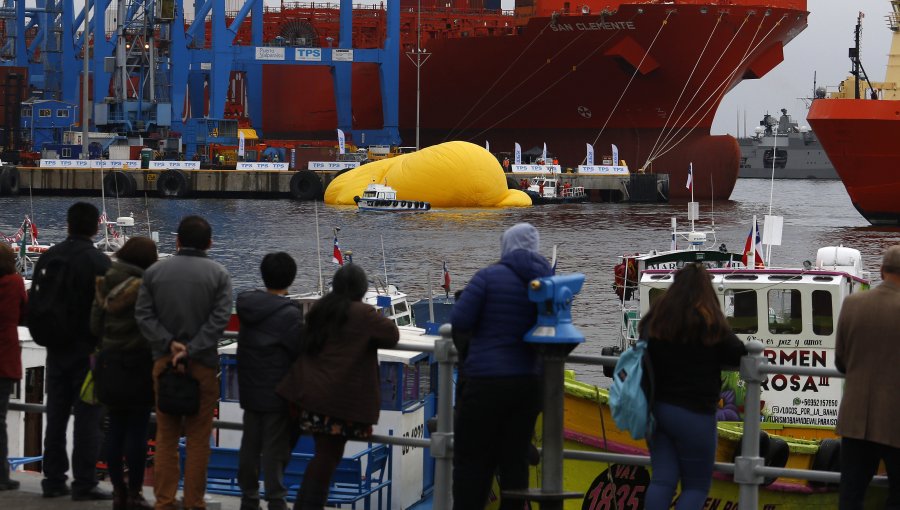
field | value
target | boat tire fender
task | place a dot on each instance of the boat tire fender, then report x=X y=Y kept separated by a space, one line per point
x=827 y=458
x=119 y=184
x=776 y=456
x=511 y=183
x=9 y=180
x=173 y=184
x=427 y=206
x=306 y=185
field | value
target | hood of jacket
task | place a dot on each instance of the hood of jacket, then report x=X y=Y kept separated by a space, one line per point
x=521 y=236
x=258 y=305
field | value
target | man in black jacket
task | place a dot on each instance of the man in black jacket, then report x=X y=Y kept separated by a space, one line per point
x=269 y=342
x=68 y=363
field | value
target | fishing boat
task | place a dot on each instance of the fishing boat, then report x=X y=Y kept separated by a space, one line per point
x=548 y=190
x=784 y=149
x=543 y=71
x=793 y=312
x=858 y=127
x=383 y=198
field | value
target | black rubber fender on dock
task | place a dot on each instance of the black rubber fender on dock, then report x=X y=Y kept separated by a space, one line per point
x=9 y=180
x=119 y=184
x=306 y=185
x=773 y=450
x=511 y=183
x=827 y=458
x=173 y=184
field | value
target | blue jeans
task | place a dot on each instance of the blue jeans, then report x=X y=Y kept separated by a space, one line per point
x=683 y=447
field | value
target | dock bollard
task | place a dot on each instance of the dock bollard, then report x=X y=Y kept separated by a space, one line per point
x=557 y=337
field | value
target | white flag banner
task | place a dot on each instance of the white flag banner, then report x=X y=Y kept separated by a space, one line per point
x=544 y=154
x=340 y=141
x=518 y=155
x=615 y=154
x=590 y=155
x=240 y=143
x=487 y=146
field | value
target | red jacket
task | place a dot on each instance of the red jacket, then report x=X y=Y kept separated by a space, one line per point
x=12 y=313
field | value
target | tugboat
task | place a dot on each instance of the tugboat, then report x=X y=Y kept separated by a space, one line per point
x=547 y=190
x=380 y=197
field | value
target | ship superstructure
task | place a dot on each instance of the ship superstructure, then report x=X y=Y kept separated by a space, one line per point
x=783 y=149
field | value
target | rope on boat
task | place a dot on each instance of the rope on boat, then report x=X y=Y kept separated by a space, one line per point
x=497 y=81
x=633 y=75
x=537 y=96
x=691 y=76
x=719 y=92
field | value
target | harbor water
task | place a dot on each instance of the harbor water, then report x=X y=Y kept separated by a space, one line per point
x=408 y=249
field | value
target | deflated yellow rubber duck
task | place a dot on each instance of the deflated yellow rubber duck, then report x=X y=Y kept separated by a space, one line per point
x=452 y=174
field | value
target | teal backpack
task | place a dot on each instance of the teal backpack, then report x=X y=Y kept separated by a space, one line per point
x=631 y=393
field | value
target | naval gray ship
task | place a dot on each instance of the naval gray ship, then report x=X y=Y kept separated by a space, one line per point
x=797 y=155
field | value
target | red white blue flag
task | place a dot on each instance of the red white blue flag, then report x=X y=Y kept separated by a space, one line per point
x=754 y=242
x=690 y=179
x=337 y=257
x=446 y=284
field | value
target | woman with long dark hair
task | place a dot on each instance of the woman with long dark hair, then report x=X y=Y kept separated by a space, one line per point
x=335 y=383
x=123 y=370
x=689 y=342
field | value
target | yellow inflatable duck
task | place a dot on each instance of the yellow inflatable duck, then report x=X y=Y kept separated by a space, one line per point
x=451 y=174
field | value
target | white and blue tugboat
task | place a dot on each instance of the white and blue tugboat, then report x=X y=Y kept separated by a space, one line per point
x=380 y=197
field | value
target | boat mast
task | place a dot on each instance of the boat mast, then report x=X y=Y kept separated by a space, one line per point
x=418 y=62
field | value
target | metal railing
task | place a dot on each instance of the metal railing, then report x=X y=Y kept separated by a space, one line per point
x=748 y=468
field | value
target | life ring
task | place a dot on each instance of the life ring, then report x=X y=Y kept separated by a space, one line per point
x=306 y=185
x=827 y=458
x=119 y=184
x=173 y=183
x=9 y=180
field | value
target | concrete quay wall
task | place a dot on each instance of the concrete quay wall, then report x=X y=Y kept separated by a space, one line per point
x=297 y=184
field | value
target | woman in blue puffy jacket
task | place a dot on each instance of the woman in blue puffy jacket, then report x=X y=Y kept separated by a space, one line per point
x=499 y=393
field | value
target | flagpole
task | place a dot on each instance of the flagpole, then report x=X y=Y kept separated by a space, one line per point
x=318 y=246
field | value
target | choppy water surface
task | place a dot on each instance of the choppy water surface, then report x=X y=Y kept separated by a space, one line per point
x=591 y=237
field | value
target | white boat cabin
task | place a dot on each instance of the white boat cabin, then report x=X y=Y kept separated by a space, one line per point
x=793 y=313
x=379 y=192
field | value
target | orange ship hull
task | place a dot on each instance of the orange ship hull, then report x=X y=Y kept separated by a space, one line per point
x=860 y=137
x=647 y=77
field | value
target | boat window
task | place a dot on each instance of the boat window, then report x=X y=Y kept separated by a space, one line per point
x=660 y=277
x=400 y=307
x=823 y=314
x=403 y=320
x=655 y=294
x=785 y=315
x=784 y=277
x=740 y=310
x=823 y=278
x=740 y=277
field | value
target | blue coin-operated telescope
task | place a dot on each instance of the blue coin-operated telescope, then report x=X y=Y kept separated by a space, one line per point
x=554 y=295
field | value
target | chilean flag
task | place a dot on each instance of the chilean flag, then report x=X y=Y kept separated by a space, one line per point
x=337 y=257
x=755 y=246
x=446 y=284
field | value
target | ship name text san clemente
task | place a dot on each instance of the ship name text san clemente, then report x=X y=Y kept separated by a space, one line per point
x=608 y=25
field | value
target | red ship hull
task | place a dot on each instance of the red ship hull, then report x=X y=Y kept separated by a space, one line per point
x=647 y=77
x=860 y=137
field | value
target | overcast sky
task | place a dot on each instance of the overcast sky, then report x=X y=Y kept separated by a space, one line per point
x=821 y=48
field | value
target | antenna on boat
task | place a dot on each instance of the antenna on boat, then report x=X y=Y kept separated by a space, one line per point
x=384 y=262
x=318 y=245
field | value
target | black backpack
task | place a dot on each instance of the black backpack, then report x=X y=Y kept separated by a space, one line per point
x=52 y=304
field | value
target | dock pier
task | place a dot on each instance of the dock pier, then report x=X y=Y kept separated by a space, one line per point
x=268 y=183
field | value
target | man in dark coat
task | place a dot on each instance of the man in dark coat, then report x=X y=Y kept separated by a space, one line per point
x=868 y=338
x=269 y=342
x=501 y=374
x=68 y=365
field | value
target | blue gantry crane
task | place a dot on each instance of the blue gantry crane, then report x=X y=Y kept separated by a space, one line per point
x=151 y=73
